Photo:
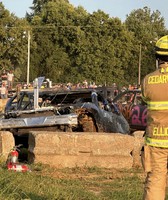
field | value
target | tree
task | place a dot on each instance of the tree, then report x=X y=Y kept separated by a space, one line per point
x=78 y=45
x=107 y=52
x=70 y=45
x=147 y=27
x=13 y=44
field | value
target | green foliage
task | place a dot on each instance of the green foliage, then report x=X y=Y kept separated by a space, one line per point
x=13 y=42
x=70 y=45
x=147 y=28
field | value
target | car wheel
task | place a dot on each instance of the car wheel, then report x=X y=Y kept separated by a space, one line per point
x=87 y=123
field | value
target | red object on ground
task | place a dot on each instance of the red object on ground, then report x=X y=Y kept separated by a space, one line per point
x=13 y=163
x=18 y=167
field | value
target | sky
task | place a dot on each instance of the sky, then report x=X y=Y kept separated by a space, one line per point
x=115 y=8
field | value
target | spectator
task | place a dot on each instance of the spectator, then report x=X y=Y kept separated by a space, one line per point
x=4 y=91
x=4 y=77
x=130 y=87
x=85 y=84
x=69 y=86
x=10 y=77
x=92 y=85
x=115 y=89
x=123 y=89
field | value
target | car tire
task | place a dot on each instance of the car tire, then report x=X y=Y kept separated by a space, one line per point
x=87 y=123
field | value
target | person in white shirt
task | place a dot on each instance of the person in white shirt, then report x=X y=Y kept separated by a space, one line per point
x=4 y=91
x=10 y=77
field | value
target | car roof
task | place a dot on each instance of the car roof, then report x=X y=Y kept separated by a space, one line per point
x=57 y=96
x=99 y=90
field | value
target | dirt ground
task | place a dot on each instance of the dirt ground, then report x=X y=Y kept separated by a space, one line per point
x=87 y=173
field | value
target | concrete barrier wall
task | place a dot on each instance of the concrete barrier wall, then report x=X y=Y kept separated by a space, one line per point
x=7 y=142
x=79 y=149
x=85 y=149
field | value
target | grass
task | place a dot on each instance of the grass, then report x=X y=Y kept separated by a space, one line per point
x=46 y=183
x=70 y=184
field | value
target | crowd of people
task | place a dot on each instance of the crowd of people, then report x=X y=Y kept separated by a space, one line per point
x=117 y=89
x=7 y=78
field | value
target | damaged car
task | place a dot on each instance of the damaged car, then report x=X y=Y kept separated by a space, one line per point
x=134 y=109
x=80 y=110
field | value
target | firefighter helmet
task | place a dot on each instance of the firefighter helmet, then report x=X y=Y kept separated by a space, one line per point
x=162 y=46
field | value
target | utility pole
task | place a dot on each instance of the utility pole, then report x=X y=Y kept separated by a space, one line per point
x=28 y=56
x=139 y=67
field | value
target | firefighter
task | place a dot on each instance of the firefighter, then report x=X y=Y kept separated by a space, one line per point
x=155 y=153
